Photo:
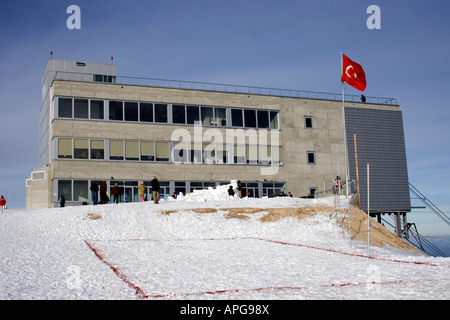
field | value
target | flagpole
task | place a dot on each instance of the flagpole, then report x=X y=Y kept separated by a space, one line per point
x=345 y=147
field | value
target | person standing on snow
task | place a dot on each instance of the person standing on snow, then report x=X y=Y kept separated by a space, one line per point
x=141 y=189
x=2 y=203
x=94 y=192
x=155 y=190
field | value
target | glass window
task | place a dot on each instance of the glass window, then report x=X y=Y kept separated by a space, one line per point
x=193 y=114
x=196 y=153
x=97 y=110
x=274 y=120
x=263 y=119
x=80 y=190
x=131 y=111
x=277 y=155
x=209 y=153
x=65 y=188
x=162 y=151
x=80 y=108
x=97 y=149
x=265 y=154
x=64 y=148
x=65 y=107
x=147 y=151
x=250 y=118
x=178 y=114
x=252 y=154
x=236 y=118
x=207 y=115
x=116 y=110
x=308 y=122
x=81 y=149
x=180 y=187
x=311 y=157
x=221 y=117
x=161 y=113
x=146 y=112
x=115 y=150
x=239 y=153
x=132 y=150
x=180 y=152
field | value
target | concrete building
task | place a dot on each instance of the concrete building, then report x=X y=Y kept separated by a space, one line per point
x=96 y=125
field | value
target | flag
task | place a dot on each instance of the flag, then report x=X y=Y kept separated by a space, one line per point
x=353 y=74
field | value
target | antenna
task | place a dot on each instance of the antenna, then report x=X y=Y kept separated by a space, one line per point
x=51 y=54
x=112 y=58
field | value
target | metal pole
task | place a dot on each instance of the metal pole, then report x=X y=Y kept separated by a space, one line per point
x=368 y=209
x=345 y=150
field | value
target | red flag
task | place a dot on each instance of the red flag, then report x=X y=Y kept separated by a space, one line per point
x=353 y=74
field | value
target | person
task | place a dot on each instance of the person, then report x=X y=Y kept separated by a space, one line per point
x=290 y=194
x=2 y=203
x=94 y=192
x=115 y=192
x=141 y=189
x=103 y=196
x=155 y=190
x=231 y=191
x=62 y=201
x=239 y=187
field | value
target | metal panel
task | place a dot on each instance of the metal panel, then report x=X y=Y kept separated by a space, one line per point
x=380 y=142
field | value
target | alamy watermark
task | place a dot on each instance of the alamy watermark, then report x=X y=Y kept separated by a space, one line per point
x=74 y=20
x=213 y=146
x=374 y=21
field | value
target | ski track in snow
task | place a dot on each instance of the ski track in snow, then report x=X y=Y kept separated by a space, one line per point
x=135 y=251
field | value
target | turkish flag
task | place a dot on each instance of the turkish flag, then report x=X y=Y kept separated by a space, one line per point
x=353 y=74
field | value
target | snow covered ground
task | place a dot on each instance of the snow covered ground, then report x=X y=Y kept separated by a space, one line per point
x=171 y=251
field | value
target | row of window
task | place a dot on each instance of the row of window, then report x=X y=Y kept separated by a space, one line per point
x=147 y=112
x=163 y=151
x=78 y=190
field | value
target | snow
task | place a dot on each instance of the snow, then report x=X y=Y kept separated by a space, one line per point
x=171 y=250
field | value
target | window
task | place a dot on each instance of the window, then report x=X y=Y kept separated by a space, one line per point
x=252 y=154
x=131 y=111
x=277 y=155
x=146 y=112
x=274 y=120
x=80 y=108
x=221 y=117
x=263 y=119
x=64 y=148
x=132 y=150
x=116 y=110
x=161 y=113
x=193 y=114
x=207 y=115
x=115 y=150
x=178 y=114
x=81 y=149
x=236 y=118
x=250 y=118
x=308 y=122
x=196 y=153
x=104 y=78
x=147 y=151
x=239 y=154
x=162 y=151
x=80 y=190
x=311 y=157
x=265 y=154
x=312 y=192
x=65 y=188
x=65 y=107
x=180 y=152
x=97 y=109
x=97 y=149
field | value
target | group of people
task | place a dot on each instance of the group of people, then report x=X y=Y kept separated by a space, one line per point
x=116 y=192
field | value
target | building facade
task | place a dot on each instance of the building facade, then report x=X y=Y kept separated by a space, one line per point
x=98 y=126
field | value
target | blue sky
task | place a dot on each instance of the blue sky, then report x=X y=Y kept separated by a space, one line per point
x=279 y=44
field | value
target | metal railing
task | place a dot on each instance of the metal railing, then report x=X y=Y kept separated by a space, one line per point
x=220 y=87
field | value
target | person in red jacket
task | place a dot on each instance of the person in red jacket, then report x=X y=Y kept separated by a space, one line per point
x=2 y=203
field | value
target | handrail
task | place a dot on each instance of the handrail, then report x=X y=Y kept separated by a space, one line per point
x=220 y=87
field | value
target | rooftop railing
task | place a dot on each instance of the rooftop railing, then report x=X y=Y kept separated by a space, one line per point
x=218 y=87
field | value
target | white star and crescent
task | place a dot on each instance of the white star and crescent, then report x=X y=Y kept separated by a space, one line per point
x=347 y=69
